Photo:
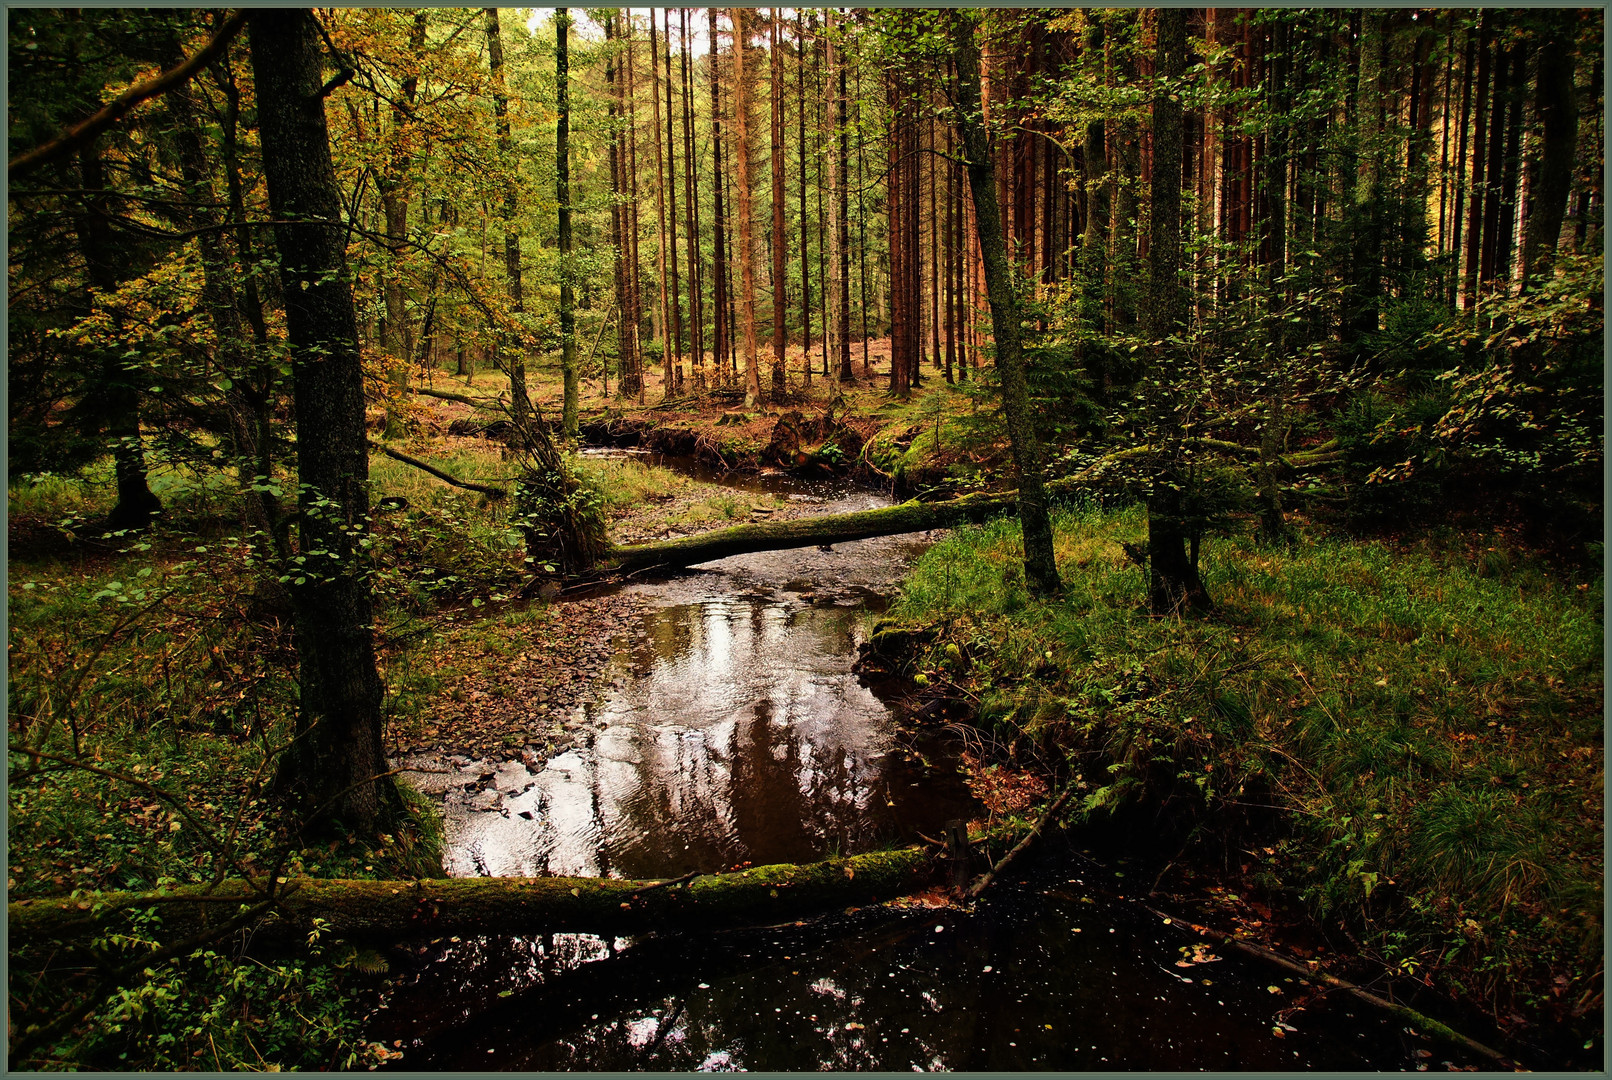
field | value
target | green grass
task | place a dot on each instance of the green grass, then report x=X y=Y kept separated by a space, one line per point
x=1429 y=726
x=626 y=482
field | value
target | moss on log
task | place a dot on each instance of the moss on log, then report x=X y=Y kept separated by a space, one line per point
x=805 y=532
x=359 y=909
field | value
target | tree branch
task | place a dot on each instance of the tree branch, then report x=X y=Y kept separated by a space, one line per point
x=83 y=133
x=489 y=490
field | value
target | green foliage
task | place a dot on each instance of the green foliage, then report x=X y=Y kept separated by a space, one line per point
x=1396 y=468
x=210 y=1010
x=1428 y=730
x=1529 y=407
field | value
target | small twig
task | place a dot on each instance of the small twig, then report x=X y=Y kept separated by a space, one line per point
x=985 y=880
x=668 y=883
x=1425 y=1023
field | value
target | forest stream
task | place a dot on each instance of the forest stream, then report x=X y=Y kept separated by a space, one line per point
x=731 y=729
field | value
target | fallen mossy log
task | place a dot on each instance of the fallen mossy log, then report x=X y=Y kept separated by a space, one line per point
x=388 y=910
x=805 y=532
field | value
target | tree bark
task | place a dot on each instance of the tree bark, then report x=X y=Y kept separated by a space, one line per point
x=807 y=532
x=664 y=321
x=392 y=183
x=722 y=346
x=390 y=910
x=514 y=350
x=114 y=392
x=562 y=198
x=775 y=94
x=747 y=260
x=1551 y=176
x=674 y=365
x=334 y=767
x=696 y=284
x=1174 y=580
x=805 y=220
x=842 y=233
x=1040 y=566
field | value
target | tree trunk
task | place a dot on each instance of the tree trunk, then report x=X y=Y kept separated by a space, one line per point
x=723 y=348
x=114 y=393
x=807 y=532
x=674 y=365
x=834 y=167
x=635 y=281
x=800 y=171
x=392 y=183
x=747 y=261
x=1551 y=174
x=630 y=375
x=1511 y=164
x=332 y=769
x=514 y=346
x=780 y=303
x=357 y=909
x=691 y=202
x=1040 y=566
x=562 y=198
x=1174 y=580
x=1479 y=188
x=842 y=233
x=663 y=320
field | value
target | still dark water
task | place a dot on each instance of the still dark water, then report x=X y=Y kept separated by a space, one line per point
x=732 y=730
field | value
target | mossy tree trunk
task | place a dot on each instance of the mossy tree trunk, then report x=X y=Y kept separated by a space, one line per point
x=1040 y=567
x=331 y=767
x=805 y=532
x=502 y=905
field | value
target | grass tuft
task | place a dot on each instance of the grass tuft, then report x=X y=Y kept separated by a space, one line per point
x=1428 y=724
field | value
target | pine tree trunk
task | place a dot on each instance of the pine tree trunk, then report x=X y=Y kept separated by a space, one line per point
x=664 y=321
x=1496 y=163
x=562 y=198
x=1174 y=581
x=1510 y=170
x=335 y=769
x=780 y=301
x=1040 y=566
x=1480 y=135
x=1458 y=201
x=747 y=260
x=805 y=228
x=1551 y=173
x=836 y=184
x=722 y=346
x=674 y=366
x=842 y=232
x=696 y=281
x=635 y=263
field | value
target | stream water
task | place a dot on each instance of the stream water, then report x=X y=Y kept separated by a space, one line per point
x=731 y=729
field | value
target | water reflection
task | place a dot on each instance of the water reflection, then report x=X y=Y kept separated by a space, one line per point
x=1047 y=976
x=736 y=732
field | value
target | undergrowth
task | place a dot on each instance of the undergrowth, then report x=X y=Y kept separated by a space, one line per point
x=1424 y=726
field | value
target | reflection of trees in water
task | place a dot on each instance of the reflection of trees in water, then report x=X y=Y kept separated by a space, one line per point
x=739 y=747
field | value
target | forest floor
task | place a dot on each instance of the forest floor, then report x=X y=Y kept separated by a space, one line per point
x=1450 y=694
